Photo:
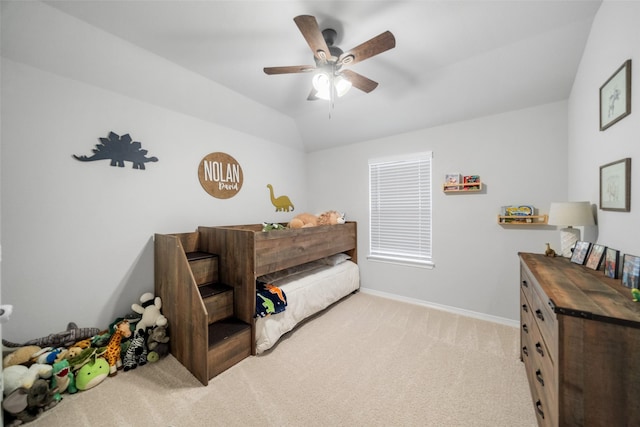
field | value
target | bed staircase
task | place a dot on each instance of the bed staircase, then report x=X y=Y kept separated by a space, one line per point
x=207 y=336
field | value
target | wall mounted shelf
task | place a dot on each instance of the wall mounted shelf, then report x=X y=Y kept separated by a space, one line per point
x=523 y=220
x=471 y=187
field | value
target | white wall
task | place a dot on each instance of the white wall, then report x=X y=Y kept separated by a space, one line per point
x=520 y=156
x=614 y=38
x=77 y=237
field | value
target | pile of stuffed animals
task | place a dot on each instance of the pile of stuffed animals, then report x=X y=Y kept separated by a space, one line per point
x=36 y=374
x=305 y=220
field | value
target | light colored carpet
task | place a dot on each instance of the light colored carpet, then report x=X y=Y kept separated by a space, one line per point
x=366 y=360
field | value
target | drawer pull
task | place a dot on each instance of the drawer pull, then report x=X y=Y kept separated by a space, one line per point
x=539 y=377
x=525 y=308
x=525 y=284
x=539 y=409
x=525 y=328
x=525 y=351
x=539 y=315
x=539 y=349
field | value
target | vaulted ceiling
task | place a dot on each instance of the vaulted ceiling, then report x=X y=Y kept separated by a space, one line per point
x=453 y=60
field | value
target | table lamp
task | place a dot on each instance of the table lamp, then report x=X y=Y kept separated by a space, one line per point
x=570 y=214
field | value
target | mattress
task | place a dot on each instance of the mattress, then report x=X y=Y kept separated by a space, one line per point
x=307 y=293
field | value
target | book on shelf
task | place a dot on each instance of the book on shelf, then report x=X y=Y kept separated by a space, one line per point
x=471 y=179
x=452 y=181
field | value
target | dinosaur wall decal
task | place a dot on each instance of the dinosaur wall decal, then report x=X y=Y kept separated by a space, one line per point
x=282 y=203
x=119 y=149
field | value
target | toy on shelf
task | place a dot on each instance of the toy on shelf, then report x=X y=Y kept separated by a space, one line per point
x=520 y=215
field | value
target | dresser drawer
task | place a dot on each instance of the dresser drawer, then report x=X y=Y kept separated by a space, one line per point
x=526 y=323
x=545 y=318
x=543 y=372
x=526 y=283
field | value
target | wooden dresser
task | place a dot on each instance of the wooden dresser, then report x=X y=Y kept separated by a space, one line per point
x=580 y=342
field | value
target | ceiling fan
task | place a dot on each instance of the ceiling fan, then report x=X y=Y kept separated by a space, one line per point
x=332 y=78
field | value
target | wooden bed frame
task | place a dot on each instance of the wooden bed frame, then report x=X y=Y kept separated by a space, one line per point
x=244 y=252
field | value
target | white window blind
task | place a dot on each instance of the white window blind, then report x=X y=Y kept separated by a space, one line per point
x=400 y=209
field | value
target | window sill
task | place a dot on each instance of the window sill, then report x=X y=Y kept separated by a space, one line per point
x=399 y=261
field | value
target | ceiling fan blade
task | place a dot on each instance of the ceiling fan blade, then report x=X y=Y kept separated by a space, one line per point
x=359 y=81
x=376 y=45
x=289 y=69
x=310 y=30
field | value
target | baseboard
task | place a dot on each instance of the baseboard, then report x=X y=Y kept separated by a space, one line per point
x=454 y=310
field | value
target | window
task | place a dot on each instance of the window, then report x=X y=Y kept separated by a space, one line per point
x=400 y=209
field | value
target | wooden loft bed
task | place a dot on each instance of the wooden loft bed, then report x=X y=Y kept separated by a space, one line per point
x=207 y=278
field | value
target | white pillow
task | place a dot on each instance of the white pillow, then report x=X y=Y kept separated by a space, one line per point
x=288 y=272
x=335 y=259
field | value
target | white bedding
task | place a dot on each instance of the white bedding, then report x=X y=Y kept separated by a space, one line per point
x=307 y=294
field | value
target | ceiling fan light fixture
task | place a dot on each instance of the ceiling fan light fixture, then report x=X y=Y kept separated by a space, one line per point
x=342 y=85
x=324 y=83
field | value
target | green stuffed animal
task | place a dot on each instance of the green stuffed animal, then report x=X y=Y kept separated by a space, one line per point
x=92 y=373
x=63 y=379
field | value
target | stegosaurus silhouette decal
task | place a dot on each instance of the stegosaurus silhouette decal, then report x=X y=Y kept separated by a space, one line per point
x=119 y=149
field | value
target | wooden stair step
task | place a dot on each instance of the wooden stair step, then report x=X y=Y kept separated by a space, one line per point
x=198 y=255
x=218 y=300
x=229 y=343
x=210 y=289
x=204 y=267
x=225 y=329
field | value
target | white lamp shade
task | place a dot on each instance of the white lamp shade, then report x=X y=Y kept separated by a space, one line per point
x=571 y=213
x=568 y=214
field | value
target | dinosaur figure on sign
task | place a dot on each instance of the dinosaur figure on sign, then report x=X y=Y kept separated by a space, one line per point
x=119 y=149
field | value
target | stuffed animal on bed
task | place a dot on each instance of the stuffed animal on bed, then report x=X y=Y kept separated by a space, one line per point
x=305 y=220
x=331 y=218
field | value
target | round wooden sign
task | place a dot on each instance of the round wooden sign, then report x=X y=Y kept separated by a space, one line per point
x=220 y=175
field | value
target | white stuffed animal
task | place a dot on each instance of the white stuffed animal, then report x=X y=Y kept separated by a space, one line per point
x=149 y=307
x=17 y=376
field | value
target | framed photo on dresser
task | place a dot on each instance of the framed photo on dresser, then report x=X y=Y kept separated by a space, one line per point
x=580 y=252
x=630 y=271
x=611 y=262
x=595 y=257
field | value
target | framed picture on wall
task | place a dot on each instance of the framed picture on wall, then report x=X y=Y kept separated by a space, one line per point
x=595 y=257
x=615 y=96
x=611 y=262
x=630 y=271
x=615 y=186
x=580 y=252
